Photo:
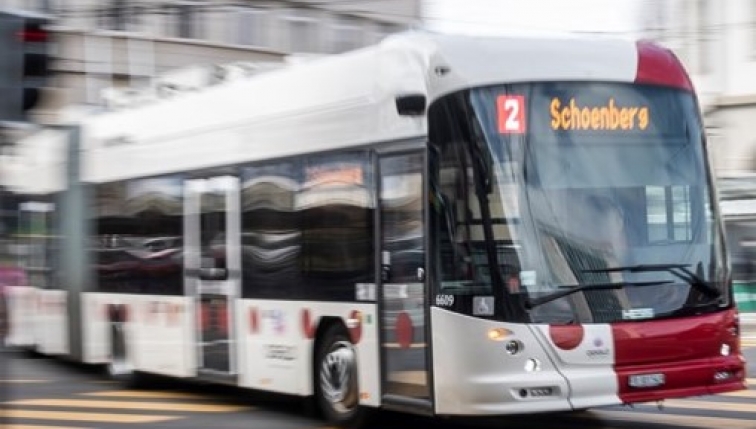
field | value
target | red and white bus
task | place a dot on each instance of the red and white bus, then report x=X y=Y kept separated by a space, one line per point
x=438 y=224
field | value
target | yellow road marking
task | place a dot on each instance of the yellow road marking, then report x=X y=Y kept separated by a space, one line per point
x=38 y=427
x=142 y=406
x=709 y=405
x=143 y=394
x=85 y=417
x=741 y=394
x=672 y=419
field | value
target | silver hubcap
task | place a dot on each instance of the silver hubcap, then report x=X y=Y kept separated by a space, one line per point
x=336 y=377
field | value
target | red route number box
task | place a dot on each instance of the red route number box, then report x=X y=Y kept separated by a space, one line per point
x=511 y=114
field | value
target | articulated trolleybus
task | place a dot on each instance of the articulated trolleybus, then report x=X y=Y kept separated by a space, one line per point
x=437 y=224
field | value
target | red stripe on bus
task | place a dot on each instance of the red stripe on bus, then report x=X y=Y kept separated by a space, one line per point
x=687 y=353
x=308 y=327
x=659 y=66
x=254 y=320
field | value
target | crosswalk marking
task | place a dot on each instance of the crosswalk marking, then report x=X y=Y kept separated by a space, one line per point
x=85 y=417
x=709 y=405
x=740 y=394
x=671 y=419
x=120 y=402
x=38 y=427
x=120 y=405
x=143 y=394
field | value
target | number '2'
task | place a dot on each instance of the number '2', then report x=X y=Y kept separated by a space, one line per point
x=511 y=114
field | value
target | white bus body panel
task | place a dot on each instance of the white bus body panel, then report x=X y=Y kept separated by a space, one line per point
x=160 y=332
x=51 y=322
x=476 y=376
x=95 y=335
x=164 y=337
x=22 y=311
x=472 y=61
x=277 y=349
x=589 y=367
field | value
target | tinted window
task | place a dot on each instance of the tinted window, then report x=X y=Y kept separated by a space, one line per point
x=271 y=233
x=138 y=243
x=308 y=227
x=336 y=203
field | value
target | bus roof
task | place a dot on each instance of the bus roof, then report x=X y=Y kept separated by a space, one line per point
x=345 y=100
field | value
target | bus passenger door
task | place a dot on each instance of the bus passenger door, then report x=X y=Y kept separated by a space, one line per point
x=213 y=269
x=403 y=291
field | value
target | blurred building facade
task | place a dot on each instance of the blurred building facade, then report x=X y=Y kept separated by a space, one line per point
x=127 y=43
x=716 y=40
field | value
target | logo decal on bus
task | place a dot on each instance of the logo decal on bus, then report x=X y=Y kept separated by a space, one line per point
x=511 y=114
x=276 y=320
x=599 y=350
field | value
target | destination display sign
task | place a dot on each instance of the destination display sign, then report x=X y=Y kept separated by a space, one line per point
x=573 y=115
x=588 y=109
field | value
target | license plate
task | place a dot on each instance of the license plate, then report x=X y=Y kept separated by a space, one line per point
x=646 y=380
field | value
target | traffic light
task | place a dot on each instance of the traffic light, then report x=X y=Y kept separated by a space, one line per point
x=25 y=69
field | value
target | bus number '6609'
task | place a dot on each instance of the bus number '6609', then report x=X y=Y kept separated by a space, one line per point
x=444 y=300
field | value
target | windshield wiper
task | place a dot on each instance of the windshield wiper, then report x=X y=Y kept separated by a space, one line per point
x=535 y=302
x=680 y=271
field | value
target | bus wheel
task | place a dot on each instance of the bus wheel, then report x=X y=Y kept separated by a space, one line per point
x=336 y=386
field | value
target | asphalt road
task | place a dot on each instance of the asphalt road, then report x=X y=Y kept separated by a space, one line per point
x=42 y=393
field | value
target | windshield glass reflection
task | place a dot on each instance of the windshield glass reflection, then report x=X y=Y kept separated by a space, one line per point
x=585 y=183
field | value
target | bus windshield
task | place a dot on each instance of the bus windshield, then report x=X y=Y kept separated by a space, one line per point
x=594 y=200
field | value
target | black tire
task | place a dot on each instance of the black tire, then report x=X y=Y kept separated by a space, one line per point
x=337 y=391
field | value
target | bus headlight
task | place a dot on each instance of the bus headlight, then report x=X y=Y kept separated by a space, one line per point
x=513 y=347
x=725 y=350
x=532 y=365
